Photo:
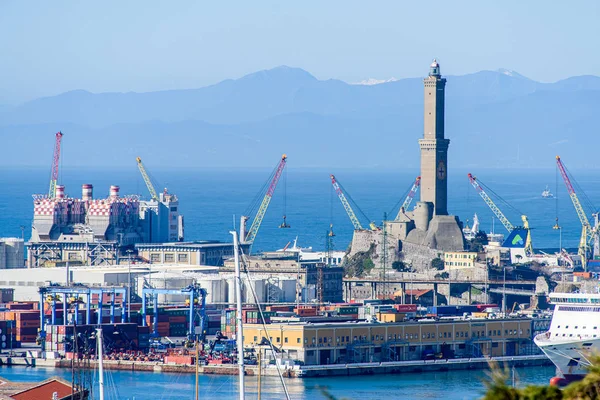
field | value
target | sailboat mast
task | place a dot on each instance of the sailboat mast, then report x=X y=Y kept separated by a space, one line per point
x=100 y=362
x=239 y=335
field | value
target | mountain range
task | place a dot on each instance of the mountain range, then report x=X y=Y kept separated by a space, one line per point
x=494 y=119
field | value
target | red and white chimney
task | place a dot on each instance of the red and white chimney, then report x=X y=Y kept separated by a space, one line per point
x=114 y=192
x=60 y=191
x=87 y=192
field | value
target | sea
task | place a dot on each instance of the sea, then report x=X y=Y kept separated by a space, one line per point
x=126 y=385
x=213 y=200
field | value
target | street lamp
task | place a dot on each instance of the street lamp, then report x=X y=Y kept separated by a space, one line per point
x=504 y=292
x=129 y=251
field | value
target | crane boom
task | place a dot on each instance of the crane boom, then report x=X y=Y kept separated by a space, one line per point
x=346 y=204
x=266 y=200
x=576 y=203
x=55 y=161
x=409 y=197
x=588 y=233
x=147 y=180
x=499 y=214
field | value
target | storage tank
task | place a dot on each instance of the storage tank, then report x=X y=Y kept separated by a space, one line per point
x=216 y=288
x=14 y=253
x=168 y=280
x=288 y=287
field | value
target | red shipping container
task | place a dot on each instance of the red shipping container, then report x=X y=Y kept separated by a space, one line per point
x=405 y=307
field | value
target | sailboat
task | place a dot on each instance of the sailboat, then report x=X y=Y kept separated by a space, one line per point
x=547 y=194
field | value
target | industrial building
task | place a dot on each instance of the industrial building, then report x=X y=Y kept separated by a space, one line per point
x=193 y=253
x=89 y=231
x=315 y=279
x=12 y=253
x=335 y=343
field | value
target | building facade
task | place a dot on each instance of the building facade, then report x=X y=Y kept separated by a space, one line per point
x=340 y=343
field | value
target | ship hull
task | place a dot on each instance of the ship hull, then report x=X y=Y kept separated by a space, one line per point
x=570 y=358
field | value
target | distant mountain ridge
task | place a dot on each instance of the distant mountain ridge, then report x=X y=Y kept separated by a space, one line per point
x=493 y=118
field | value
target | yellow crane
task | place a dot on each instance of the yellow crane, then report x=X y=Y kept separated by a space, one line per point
x=147 y=180
x=588 y=233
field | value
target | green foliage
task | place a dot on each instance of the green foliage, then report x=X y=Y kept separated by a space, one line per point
x=443 y=275
x=400 y=266
x=586 y=389
x=477 y=243
x=355 y=266
x=368 y=265
x=437 y=263
x=498 y=389
x=589 y=387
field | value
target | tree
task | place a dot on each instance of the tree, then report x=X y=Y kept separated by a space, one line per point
x=477 y=243
x=437 y=263
x=443 y=275
x=400 y=266
x=368 y=265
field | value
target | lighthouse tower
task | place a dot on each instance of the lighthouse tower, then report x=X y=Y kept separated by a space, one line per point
x=434 y=146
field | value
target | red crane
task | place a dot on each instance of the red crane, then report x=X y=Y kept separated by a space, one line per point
x=55 y=159
x=265 y=202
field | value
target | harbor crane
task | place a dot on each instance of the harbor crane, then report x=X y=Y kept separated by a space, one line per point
x=339 y=190
x=478 y=185
x=55 y=161
x=409 y=198
x=588 y=233
x=147 y=180
x=264 y=205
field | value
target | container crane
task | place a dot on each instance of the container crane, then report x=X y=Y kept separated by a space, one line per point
x=55 y=160
x=275 y=175
x=147 y=180
x=500 y=215
x=409 y=198
x=351 y=214
x=588 y=233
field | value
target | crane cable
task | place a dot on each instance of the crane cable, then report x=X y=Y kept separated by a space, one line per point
x=506 y=203
x=353 y=202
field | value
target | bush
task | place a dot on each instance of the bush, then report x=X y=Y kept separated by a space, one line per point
x=437 y=263
x=400 y=266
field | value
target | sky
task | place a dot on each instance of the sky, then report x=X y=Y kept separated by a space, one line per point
x=49 y=47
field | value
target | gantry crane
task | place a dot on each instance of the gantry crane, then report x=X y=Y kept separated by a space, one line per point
x=588 y=233
x=147 y=180
x=342 y=196
x=409 y=198
x=500 y=215
x=55 y=161
x=275 y=175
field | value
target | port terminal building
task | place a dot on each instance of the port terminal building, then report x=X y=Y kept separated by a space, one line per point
x=323 y=343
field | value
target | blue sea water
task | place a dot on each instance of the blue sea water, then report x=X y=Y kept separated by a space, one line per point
x=455 y=385
x=210 y=199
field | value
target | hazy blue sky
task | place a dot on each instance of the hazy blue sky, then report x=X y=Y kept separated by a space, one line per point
x=48 y=47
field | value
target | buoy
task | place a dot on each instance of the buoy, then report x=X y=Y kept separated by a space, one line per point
x=558 y=381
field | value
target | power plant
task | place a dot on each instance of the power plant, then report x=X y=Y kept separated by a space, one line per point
x=97 y=231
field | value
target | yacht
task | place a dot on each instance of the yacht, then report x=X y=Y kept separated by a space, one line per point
x=574 y=334
x=547 y=194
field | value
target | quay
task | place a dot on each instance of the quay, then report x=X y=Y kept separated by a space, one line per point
x=299 y=371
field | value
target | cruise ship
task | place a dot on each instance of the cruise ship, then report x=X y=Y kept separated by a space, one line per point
x=574 y=334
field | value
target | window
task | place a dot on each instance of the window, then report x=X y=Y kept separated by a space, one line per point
x=155 y=257
x=285 y=340
x=169 y=258
x=255 y=338
x=182 y=258
x=298 y=340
